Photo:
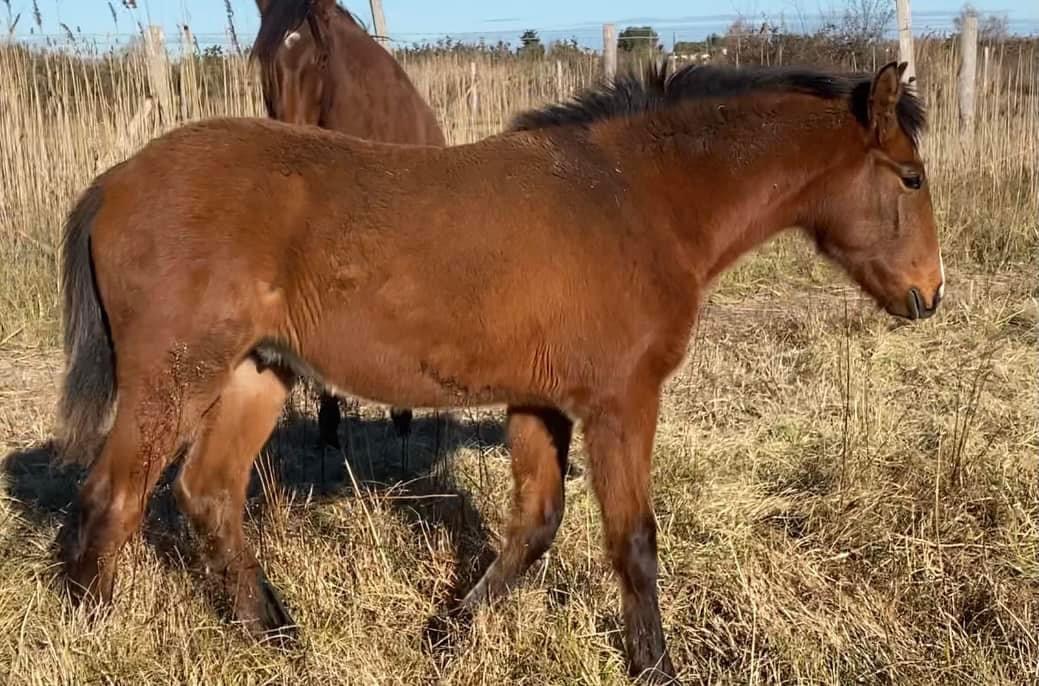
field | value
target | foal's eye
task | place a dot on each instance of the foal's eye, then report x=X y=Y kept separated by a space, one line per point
x=912 y=180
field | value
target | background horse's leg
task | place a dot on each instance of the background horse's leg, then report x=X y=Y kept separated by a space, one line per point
x=619 y=442
x=539 y=441
x=401 y=418
x=328 y=418
x=154 y=417
x=211 y=490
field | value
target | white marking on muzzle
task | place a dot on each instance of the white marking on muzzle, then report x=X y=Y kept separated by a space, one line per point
x=941 y=269
x=292 y=38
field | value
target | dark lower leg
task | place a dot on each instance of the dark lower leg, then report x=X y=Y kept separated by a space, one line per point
x=109 y=510
x=328 y=418
x=619 y=448
x=401 y=418
x=112 y=500
x=634 y=556
x=539 y=440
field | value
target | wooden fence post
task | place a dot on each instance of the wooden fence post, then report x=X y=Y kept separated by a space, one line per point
x=968 y=70
x=158 y=66
x=560 y=89
x=609 y=51
x=905 y=40
x=189 y=90
x=382 y=34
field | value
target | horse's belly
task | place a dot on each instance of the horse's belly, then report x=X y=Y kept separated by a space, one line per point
x=422 y=369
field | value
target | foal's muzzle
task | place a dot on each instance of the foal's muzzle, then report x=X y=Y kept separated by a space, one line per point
x=917 y=307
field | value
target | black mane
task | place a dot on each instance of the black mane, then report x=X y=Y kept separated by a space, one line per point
x=629 y=95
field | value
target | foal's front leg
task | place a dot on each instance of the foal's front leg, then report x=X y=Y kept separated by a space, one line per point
x=619 y=441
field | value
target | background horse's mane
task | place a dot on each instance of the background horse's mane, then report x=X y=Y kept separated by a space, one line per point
x=628 y=95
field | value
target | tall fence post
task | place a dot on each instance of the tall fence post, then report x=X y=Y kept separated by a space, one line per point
x=968 y=70
x=382 y=34
x=189 y=100
x=905 y=40
x=609 y=51
x=159 y=70
x=560 y=88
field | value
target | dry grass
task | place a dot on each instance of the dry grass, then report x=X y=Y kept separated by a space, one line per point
x=841 y=499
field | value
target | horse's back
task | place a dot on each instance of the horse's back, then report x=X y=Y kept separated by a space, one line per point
x=370 y=232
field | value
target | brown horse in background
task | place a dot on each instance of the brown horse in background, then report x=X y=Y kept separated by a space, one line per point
x=557 y=269
x=319 y=67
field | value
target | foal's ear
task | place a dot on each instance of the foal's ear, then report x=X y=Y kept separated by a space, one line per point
x=883 y=101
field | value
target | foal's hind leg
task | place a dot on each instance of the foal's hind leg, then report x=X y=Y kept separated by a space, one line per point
x=153 y=418
x=539 y=440
x=212 y=484
x=619 y=441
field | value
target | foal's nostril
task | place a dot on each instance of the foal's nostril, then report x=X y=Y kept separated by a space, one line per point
x=916 y=305
x=917 y=308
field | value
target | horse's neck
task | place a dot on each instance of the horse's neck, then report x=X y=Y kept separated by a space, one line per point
x=725 y=192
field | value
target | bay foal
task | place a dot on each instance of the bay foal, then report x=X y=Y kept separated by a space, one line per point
x=319 y=67
x=556 y=269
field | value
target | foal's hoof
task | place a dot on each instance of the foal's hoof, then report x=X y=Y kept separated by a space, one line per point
x=94 y=605
x=272 y=623
x=660 y=674
x=86 y=586
x=442 y=631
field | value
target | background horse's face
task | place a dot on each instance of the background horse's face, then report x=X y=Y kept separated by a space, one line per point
x=299 y=76
x=877 y=220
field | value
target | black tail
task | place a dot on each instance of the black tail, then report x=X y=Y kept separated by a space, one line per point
x=88 y=395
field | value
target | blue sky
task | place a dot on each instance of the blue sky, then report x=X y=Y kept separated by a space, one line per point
x=415 y=20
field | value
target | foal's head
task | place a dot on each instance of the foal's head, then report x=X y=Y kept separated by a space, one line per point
x=875 y=217
x=870 y=212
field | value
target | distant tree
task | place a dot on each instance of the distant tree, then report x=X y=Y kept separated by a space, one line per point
x=688 y=47
x=564 y=49
x=639 y=39
x=530 y=45
x=214 y=52
x=991 y=28
x=867 y=20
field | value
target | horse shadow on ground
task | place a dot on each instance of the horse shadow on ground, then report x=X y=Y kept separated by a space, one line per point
x=419 y=478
